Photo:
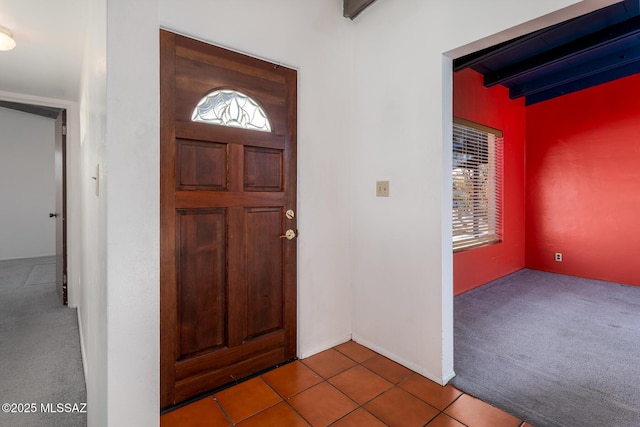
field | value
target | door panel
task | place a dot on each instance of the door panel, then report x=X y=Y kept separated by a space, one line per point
x=201 y=280
x=264 y=270
x=202 y=166
x=228 y=281
x=263 y=169
x=61 y=207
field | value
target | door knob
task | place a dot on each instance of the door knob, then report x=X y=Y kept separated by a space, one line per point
x=289 y=235
x=53 y=215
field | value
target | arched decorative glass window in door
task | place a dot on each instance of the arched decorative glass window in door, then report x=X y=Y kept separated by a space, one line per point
x=228 y=107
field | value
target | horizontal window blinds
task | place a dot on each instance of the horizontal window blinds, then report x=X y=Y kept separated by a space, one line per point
x=477 y=185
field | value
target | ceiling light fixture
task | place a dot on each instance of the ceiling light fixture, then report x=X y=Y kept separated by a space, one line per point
x=6 y=39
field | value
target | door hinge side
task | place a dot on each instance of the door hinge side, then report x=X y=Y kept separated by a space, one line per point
x=64 y=130
x=64 y=279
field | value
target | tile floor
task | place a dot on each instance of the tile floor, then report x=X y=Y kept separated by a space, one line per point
x=348 y=385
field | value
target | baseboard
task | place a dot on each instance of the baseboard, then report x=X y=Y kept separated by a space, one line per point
x=14 y=258
x=407 y=364
x=323 y=347
x=82 y=348
x=447 y=378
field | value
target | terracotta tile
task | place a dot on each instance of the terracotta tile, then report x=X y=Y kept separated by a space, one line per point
x=355 y=351
x=432 y=393
x=387 y=368
x=329 y=363
x=322 y=404
x=476 y=413
x=444 y=420
x=245 y=399
x=204 y=412
x=396 y=407
x=359 y=418
x=526 y=425
x=276 y=416
x=291 y=378
x=360 y=384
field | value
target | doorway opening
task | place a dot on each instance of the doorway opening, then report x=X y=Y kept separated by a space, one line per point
x=540 y=96
x=35 y=189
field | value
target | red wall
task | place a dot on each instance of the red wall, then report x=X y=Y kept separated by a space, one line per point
x=492 y=107
x=583 y=183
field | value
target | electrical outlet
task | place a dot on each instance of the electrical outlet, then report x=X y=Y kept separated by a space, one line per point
x=382 y=188
x=558 y=256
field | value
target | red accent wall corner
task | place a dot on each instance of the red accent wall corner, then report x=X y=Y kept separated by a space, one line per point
x=583 y=175
x=493 y=107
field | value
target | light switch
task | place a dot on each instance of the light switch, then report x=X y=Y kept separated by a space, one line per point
x=382 y=188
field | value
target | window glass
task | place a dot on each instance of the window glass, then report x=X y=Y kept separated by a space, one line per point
x=231 y=108
x=477 y=185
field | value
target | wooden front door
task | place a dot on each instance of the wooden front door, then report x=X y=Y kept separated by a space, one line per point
x=228 y=194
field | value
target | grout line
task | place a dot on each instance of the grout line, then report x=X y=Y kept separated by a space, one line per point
x=359 y=405
x=265 y=408
x=359 y=363
x=231 y=423
x=286 y=399
x=296 y=411
x=453 y=401
x=449 y=405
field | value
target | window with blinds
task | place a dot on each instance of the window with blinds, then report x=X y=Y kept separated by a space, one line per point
x=477 y=185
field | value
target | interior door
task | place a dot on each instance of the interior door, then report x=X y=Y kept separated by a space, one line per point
x=228 y=219
x=61 y=210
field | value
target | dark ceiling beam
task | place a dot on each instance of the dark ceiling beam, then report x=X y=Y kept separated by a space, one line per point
x=601 y=65
x=632 y=7
x=352 y=8
x=478 y=57
x=587 y=82
x=38 y=110
x=616 y=13
x=565 y=52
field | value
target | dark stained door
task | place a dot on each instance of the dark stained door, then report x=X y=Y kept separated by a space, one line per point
x=228 y=278
x=61 y=209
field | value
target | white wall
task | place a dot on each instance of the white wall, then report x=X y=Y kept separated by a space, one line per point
x=92 y=217
x=402 y=263
x=119 y=145
x=132 y=183
x=27 y=185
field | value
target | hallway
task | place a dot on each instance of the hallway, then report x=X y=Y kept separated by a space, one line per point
x=40 y=359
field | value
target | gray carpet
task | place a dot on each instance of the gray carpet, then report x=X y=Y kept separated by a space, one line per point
x=553 y=350
x=40 y=359
x=42 y=274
